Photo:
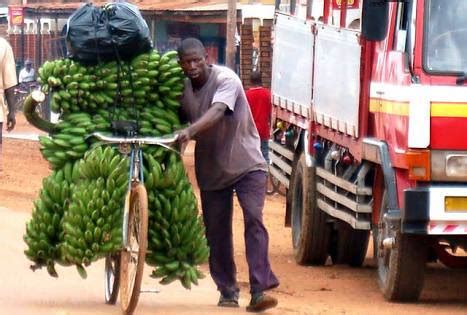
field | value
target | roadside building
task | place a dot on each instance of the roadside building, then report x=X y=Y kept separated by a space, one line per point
x=37 y=31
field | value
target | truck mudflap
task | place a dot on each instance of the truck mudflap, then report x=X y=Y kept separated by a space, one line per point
x=435 y=210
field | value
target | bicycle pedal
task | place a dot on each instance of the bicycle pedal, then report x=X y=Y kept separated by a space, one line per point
x=150 y=290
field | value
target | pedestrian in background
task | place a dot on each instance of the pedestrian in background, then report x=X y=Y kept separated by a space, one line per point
x=259 y=99
x=7 y=84
x=27 y=74
x=227 y=158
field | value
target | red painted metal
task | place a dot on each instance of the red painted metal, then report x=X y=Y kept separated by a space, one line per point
x=417 y=63
x=343 y=15
x=365 y=74
x=392 y=128
x=426 y=78
x=291 y=117
x=326 y=8
x=389 y=64
x=381 y=63
x=353 y=145
x=442 y=133
x=337 y=4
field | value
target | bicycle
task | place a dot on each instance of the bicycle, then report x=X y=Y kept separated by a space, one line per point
x=124 y=269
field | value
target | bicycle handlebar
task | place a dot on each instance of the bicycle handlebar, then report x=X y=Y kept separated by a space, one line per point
x=163 y=141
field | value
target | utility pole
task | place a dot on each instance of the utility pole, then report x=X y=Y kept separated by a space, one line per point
x=230 y=34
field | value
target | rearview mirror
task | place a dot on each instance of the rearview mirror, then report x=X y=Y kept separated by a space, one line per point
x=375 y=19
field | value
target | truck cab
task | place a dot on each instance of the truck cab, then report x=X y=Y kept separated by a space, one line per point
x=370 y=108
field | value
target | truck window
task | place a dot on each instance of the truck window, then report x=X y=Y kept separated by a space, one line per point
x=445 y=31
x=404 y=30
x=402 y=25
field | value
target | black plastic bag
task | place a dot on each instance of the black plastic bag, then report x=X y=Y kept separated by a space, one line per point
x=88 y=36
x=128 y=29
x=101 y=34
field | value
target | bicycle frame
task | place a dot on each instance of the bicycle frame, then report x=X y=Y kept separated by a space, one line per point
x=135 y=174
x=125 y=279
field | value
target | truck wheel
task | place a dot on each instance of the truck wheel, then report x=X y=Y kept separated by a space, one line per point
x=401 y=269
x=350 y=245
x=310 y=231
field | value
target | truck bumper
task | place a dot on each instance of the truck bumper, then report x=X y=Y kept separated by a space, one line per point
x=435 y=210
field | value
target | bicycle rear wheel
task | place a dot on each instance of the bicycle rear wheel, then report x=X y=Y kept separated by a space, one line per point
x=134 y=253
x=112 y=277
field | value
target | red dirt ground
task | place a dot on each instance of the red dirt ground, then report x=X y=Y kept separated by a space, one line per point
x=303 y=290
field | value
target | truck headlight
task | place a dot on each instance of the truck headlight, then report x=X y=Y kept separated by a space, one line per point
x=456 y=165
x=448 y=165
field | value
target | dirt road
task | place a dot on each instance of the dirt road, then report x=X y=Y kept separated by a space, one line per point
x=303 y=290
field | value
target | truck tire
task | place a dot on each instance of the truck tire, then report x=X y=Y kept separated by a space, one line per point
x=310 y=231
x=401 y=269
x=350 y=245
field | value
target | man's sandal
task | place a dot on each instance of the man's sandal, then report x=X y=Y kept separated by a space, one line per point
x=261 y=302
x=228 y=301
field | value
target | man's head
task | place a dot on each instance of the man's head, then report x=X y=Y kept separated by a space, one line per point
x=193 y=59
x=28 y=64
x=255 y=78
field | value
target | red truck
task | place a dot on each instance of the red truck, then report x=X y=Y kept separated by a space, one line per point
x=370 y=115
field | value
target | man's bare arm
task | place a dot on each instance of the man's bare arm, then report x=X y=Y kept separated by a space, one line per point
x=209 y=119
x=10 y=99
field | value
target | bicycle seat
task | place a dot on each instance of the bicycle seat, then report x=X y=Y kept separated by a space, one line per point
x=124 y=128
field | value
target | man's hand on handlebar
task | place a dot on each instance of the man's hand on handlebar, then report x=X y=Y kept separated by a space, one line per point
x=183 y=137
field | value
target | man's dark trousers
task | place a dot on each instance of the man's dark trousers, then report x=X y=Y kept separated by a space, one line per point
x=217 y=214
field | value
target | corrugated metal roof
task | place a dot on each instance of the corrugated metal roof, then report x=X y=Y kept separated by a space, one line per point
x=180 y=9
x=142 y=5
x=181 y=5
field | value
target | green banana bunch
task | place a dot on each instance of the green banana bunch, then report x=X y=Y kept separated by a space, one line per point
x=44 y=231
x=176 y=238
x=67 y=143
x=92 y=225
x=148 y=79
x=77 y=218
x=170 y=81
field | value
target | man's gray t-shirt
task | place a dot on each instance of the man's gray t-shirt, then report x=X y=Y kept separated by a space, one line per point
x=231 y=148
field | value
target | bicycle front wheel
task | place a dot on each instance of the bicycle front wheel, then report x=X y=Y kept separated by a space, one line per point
x=134 y=253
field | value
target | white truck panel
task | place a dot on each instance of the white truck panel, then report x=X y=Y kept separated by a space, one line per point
x=337 y=84
x=292 y=63
x=437 y=204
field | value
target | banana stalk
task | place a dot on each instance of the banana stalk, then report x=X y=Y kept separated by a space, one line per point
x=29 y=109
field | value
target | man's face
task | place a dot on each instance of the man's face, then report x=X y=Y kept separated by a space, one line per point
x=193 y=63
